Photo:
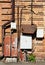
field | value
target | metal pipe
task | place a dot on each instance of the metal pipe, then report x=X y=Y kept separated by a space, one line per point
x=13 y=10
x=31 y=12
x=18 y=31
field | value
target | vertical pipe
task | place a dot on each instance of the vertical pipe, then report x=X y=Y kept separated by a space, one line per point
x=18 y=29
x=32 y=20
x=18 y=24
x=10 y=42
x=3 y=36
x=31 y=12
x=3 y=41
x=13 y=20
x=21 y=15
x=13 y=10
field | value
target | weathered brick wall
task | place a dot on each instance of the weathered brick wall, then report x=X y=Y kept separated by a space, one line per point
x=39 y=20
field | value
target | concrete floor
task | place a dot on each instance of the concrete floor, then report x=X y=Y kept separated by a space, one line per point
x=23 y=63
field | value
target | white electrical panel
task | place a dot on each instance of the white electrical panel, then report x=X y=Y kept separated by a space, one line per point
x=25 y=42
x=40 y=33
x=13 y=25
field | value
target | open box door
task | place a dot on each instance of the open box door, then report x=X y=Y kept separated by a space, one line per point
x=10 y=46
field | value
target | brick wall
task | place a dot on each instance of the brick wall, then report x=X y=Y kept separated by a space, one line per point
x=39 y=20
